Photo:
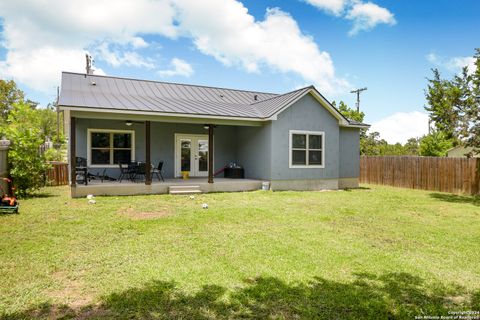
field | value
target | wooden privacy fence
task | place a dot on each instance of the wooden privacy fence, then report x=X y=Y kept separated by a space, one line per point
x=57 y=174
x=454 y=175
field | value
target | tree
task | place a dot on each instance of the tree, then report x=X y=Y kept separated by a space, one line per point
x=9 y=95
x=439 y=96
x=350 y=113
x=469 y=106
x=27 y=164
x=370 y=144
x=48 y=124
x=435 y=144
x=454 y=105
x=412 y=147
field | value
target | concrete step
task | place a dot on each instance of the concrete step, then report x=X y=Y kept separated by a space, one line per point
x=184 y=189
x=185 y=192
x=180 y=187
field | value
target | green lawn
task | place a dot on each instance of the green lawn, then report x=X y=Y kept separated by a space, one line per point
x=375 y=253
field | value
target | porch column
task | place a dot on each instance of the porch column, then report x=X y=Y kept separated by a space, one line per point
x=210 y=153
x=148 y=162
x=73 y=159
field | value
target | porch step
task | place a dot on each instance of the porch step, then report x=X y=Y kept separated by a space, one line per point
x=184 y=189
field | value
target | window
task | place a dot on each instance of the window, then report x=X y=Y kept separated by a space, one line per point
x=109 y=147
x=306 y=149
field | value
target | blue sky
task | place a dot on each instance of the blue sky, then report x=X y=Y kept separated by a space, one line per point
x=274 y=46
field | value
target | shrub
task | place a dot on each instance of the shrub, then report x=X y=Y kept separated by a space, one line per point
x=27 y=165
x=54 y=154
x=435 y=144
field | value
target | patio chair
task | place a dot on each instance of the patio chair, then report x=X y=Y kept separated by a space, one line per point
x=81 y=170
x=139 y=171
x=158 y=171
x=125 y=171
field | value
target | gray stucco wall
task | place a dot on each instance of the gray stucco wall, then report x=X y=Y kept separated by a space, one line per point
x=349 y=153
x=262 y=150
x=306 y=114
x=254 y=151
x=82 y=125
x=162 y=142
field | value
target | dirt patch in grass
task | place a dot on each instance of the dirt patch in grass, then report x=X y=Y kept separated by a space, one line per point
x=135 y=214
x=71 y=291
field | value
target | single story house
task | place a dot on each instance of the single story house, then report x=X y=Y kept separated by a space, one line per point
x=461 y=152
x=295 y=141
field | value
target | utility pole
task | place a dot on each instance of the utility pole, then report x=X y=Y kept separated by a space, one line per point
x=358 y=96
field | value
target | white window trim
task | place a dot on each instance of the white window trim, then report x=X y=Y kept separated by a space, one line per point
x=89 y=147
x=302 y=166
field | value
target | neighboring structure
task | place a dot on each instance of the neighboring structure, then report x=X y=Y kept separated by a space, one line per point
x=461 y=152
x=296 y=140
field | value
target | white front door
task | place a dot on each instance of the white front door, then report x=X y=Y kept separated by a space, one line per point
x=191 y=154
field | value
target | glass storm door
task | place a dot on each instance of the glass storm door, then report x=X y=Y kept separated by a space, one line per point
x=186 y=155
x=191 y=155
x=201 y=157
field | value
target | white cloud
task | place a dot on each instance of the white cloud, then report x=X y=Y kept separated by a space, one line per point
x=454 y=64
x=432 y=58
x=366 y=16
x=235 y=38
x=401 y=126
x=138 y=42
x=334 y=7
x=179 y=68
x=457 y=63
x=39 y=67
x=41 y=42
x=117 y=56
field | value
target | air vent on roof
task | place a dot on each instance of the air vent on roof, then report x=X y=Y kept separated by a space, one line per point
x=255 y=97
x=220 y=95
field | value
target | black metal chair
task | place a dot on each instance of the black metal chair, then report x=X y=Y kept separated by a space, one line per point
x=139 y=171
x=125 y=171
x=158 y=171
x=81 y=170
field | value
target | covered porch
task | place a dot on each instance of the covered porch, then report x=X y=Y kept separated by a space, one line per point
x=197 y=146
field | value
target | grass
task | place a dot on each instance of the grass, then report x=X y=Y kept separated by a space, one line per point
x=372 y=253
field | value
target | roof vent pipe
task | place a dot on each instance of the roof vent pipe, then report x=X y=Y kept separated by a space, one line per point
x=89 y=61
x=255 y=97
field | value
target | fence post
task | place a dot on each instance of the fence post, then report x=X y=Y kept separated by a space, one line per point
x=4 y=146
x=476 y=183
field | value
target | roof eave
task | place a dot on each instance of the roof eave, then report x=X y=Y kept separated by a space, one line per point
x=360 y=126
x=163 y=114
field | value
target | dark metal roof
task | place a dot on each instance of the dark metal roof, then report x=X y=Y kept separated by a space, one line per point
x=102 y=92
x=113 y=93
x=357 y=123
